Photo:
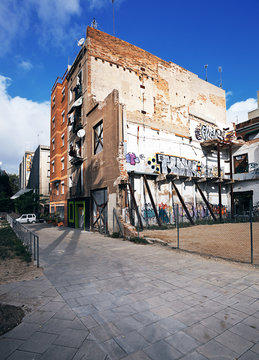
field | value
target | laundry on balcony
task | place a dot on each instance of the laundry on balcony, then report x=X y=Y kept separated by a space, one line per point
x=77 y=103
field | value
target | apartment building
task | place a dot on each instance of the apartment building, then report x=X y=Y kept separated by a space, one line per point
x=142 y=132
x=58 y=149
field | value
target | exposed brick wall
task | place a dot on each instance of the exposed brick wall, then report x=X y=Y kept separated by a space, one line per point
x=60 y=150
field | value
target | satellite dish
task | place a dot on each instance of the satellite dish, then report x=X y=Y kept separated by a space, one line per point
x=81 y=42
x=81 y=133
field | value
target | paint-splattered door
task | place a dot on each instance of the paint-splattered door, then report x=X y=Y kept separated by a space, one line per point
x=99 y=210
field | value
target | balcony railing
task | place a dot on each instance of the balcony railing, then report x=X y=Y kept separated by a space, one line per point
x=76 y=190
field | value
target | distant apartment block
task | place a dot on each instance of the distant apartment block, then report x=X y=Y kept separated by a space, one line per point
x=39 y=174
x=25 y=169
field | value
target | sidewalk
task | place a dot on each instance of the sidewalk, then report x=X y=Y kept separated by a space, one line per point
x=104 y=298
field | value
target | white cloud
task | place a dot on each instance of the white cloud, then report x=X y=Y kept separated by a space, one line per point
x=13 y=21
x=25 y=65
x=238 y=112
x=49 y=18
x=21 y=121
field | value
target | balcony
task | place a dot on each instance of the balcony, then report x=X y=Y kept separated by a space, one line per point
x=76 y=190
x=77 y=125
x=77 y=160
x=78 y=91
x=76 y=156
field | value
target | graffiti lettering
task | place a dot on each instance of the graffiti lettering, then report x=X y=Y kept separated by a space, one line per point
x=180 y=166
x=205 y=132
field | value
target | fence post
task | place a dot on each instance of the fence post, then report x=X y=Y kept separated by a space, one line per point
x=251 y=232
x=34 y=250
x=38 y=255
x=177 y=224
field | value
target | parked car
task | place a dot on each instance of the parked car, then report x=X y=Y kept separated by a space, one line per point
x=27 y=218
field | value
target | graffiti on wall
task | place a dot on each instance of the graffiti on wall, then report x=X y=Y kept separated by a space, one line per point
x=178 y=165
x=199 y=211
x=170 y=164
x=147 y=212
x=206 y=132
x=132 y=159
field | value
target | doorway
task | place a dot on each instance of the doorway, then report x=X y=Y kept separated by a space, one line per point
x=99 y=210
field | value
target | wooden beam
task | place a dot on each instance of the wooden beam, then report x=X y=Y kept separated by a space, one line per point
x=206 y=201
x=152 y=200
x=135 y=206
x=183 y=203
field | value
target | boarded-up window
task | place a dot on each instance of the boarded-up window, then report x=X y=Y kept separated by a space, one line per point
x=98 y=137
x=241 y=163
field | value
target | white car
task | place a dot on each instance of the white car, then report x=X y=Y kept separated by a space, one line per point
x=27 y=218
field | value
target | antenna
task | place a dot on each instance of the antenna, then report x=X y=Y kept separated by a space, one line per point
x=94 y=24
x=206 y=70
x=113 y=18
x=220 y=74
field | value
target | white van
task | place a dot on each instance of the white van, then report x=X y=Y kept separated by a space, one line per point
x=27 y=218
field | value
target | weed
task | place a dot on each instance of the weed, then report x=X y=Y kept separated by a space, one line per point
x=138 y=240
x=10 y=245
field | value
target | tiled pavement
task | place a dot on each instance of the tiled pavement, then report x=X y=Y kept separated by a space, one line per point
x=104 y=298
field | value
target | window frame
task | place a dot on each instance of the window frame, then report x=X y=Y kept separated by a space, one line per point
x=98 y=137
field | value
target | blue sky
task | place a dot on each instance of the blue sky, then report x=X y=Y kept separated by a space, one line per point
x=39 y=38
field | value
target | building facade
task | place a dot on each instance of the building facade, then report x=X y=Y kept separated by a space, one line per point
x=142 y=128
x=246 y=163
x=58 y=149
x=39 y=174
x=25 y=169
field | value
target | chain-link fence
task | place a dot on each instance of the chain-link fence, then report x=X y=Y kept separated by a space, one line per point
x=29 y=239
x=234 y=238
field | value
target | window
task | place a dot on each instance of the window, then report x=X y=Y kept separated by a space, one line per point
x=70 y=95
x=98 y=137
x=53 y=144
x=57 y=188
x=63 y=139
x=241 y=163
x=63 y=116
x=53 y=166
x=48 y=173
x=62 y=187
x=53 y=122
x=63 y=93
x=53 y=101
x=62 y=163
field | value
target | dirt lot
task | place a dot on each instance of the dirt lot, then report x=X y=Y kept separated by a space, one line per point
x=230 y=241
x=12 y=270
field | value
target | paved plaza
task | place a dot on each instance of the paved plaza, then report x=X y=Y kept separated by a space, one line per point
x=105 y=298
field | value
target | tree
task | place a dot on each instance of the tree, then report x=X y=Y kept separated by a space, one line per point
x=14 y=183
x=6 y=204
x=27 y=203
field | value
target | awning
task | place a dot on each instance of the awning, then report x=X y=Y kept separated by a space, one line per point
x=20 y=192
x=77 y=103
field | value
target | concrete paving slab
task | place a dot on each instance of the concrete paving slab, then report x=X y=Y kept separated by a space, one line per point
x=132 y=302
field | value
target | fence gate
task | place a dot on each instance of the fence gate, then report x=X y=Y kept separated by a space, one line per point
x=99 y=210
